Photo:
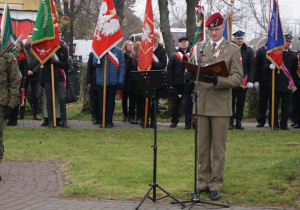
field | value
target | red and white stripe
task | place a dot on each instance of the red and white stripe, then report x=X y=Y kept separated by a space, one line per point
x=113 y=59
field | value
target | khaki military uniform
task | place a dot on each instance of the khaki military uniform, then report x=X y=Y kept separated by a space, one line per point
x=9 y=88
x=214 y=105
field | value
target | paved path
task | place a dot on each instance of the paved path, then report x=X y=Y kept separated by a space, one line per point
x=36 y=185
x=119 y=124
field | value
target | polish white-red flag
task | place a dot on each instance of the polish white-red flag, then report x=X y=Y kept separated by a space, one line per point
x=108 y=31
x=146 y=49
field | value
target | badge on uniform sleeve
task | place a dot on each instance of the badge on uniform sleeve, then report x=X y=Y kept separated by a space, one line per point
x=241 y=58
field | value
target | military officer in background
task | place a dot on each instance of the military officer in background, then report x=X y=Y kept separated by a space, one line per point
x=9 y=89
x=296 y=98
x=215 y=105
x=262 y=79
x=283 y=85
x=239 y=93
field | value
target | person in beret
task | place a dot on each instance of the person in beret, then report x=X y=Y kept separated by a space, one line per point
x=239 y=93
x=175 y=71
x=215 y=104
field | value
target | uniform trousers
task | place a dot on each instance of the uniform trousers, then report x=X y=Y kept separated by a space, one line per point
x=211 y=155
x=263 y=103
x=110 y=103
x=238 y=103
x=297 y=107
x=2 y=125
x=285 y=101
x=94 y=102
x=57 y=106
x=188 y=108
x=294 y=106
x=176 y=103
x=61 y=93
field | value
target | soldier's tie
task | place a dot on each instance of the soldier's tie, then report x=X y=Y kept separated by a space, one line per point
x=214 y=47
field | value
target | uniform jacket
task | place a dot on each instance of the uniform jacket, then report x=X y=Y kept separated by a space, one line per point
x=281 y=81
x=113 y=75
x=23 y=67
x=36 y=77
x=248 y=62
x=9 y=80
x=262 y=75
x=216 y=100
x=161 y=54
x=176 y=69
x=62 y=55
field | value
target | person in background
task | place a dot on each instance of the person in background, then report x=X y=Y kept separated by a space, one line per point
x=127 y=49
x=296 y=112
x=93 y=90
x=282 y=84
x=214 y=105
x=262 y=79
x=22 y=59
x=114 y=81
x=175 y=71
x=32 y=77
x=239 y=93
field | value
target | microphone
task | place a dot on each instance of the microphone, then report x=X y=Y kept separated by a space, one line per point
x=202 y=46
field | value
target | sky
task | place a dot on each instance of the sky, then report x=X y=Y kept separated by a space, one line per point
x=289 y=13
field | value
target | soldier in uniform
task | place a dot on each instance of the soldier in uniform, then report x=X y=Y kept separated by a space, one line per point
x=262 y=79
x=283 y=84
x=239 y=93
x=215 y=105
x=10 y=84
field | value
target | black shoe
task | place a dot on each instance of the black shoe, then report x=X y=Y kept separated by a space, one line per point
x=296 y=126
x=173 y=125
x=50 y=124
x=132 y=120
x=187 y=127
x=230 y=127
x=45 y=123
x=284 y=128
x=10 y=123
x=109 y=126
x=58 y=122
x=64 y=124
x=215 y=195
x=239 y=125
x=260 y=125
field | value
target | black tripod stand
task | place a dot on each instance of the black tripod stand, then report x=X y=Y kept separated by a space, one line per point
x=154 y=83
x=196 y=193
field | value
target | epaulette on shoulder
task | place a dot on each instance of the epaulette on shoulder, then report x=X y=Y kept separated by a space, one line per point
x=232 y=44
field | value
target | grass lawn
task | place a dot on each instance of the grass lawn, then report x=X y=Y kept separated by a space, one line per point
x=262 y=167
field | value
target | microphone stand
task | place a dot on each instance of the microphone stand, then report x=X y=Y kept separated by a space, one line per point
x=196 y=193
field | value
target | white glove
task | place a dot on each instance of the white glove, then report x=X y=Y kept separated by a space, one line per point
x=249 y=85
x=294 y=89
x=272 y=66
x=256 y=85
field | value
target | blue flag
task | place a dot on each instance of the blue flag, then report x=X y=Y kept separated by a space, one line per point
x=276 y=40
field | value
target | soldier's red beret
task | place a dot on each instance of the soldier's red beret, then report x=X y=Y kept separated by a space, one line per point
x=214 y=20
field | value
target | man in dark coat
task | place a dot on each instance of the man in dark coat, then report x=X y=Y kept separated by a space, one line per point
x=32 y=77
x=283 y=85
x=239 y=93
x=262 y=79
x=175 y=73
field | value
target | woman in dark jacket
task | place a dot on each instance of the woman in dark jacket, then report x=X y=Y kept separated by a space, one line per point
x=23 y=59
x=127 y=49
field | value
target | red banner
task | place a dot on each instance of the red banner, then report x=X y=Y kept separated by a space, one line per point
x=108 y=31
x=146 y=49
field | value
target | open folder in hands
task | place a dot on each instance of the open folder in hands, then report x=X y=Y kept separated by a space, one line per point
x=218 y=68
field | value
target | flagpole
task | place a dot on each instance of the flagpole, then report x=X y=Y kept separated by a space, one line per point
x=273 y=98
x=104 y=93
x=230 y=21
x=53 y=95
x=146 y=113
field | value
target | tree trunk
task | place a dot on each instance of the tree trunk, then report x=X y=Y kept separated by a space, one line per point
x=190 y=19
x=119 y=5
x=165 y=26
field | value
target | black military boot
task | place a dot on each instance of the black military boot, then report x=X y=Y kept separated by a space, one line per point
x=64 y=124
x=50 y=123
x=46 y=122
x=231 y=125
x=239 y=125
x=58 y=122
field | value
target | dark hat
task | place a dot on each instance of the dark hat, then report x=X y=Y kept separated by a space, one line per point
x=288 y=37
x=239 y=34
x=214 y=20
x=183 y=39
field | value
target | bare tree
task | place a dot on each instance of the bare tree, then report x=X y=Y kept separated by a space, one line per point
x=165 y=26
